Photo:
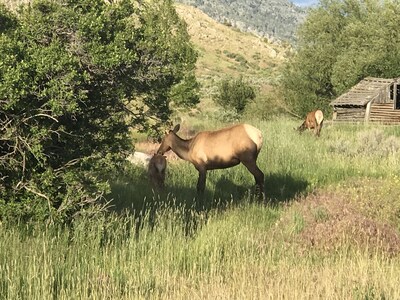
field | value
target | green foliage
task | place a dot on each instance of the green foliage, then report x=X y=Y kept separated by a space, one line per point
x=234 y=93
x=7 y=20
x=186 y=93
x=264 y=108
x=74 y=76
x=340 y=43
x=228 y=115
x=237 y=57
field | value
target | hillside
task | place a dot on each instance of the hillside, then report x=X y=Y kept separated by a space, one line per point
x=272 y=19
x=267 y=18
x=225 y=51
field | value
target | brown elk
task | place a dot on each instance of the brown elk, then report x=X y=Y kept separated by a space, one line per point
x=156 y=171
x=314 y=121
x=220 y=149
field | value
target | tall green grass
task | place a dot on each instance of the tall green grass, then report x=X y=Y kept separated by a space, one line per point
x=234 y=255
x=165 y=246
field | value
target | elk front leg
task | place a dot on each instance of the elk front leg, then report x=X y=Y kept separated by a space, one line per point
x=319 y=129
x=201 y=182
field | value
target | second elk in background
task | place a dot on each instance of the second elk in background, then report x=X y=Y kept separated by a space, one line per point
x=314 y=121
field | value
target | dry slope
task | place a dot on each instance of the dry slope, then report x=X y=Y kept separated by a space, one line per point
x=223 y=50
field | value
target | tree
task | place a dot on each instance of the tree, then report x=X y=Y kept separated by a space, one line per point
x=74 y=76
x=340 y=43
x=186 y=93
x=234 y=94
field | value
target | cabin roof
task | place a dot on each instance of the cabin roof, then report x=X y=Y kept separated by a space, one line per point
x=363 y=92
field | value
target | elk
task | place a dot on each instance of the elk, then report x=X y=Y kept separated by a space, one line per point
x=220 y=149
x=156 y=171
x=314 y=121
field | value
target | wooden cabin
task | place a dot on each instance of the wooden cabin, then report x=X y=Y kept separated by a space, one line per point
x=371 y=100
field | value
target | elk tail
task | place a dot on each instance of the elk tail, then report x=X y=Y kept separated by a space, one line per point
x=255 y=135
x=319 y=117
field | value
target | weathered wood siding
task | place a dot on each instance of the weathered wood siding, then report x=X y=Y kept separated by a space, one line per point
x=350 y=114
x=372 y=99
x=384 y=113
x=383 y=96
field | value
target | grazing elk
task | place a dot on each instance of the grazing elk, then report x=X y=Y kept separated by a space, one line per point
x=314 y=121
x=156 y=171
x=218 y=149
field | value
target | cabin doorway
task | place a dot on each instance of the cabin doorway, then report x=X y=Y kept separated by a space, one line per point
x=395 y=95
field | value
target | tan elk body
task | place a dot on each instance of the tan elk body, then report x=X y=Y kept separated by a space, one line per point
x=314 y=121
x=218 y=149
x=156 y=171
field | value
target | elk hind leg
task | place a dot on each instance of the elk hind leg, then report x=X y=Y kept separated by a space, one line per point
x=258 y=176
x=319 y=128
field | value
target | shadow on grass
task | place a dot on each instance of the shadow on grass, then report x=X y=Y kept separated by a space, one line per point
x=283 y=187
x=228 y=190
x=134 y=196
x=138 y=196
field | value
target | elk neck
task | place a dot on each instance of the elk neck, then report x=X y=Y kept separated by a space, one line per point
x=180 y=147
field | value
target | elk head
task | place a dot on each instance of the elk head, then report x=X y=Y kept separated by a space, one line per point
x=167 y=141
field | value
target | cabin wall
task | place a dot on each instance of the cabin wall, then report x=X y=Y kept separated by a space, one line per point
x=384 y=113
x=379 y=112
x=349 y=114
x=383 y=96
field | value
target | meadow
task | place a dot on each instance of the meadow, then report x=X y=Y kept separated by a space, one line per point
x=328 y=229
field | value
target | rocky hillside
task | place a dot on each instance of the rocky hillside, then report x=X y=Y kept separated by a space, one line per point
x=268 y=18
x=227 y=52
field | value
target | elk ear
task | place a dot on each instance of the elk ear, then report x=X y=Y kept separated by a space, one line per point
x=176 y=128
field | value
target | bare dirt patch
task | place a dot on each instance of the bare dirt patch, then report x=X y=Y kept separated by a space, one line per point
x=333 y=221
x=327 y=221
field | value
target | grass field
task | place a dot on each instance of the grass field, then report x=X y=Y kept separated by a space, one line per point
x=329 y=229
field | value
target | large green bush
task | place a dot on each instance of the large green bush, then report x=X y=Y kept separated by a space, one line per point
x=234 y=94
x=74 y=76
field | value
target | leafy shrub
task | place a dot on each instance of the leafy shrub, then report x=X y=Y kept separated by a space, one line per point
x=234 y=93
x=186 y=93
x=74 y=75
x=226 y=115
x=264 y=108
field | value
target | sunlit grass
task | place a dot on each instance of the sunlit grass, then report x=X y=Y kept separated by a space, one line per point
x=165 y=246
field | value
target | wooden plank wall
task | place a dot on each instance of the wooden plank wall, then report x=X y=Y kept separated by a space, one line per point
x=354 y=105
x=384 y=113
x=354 y=114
